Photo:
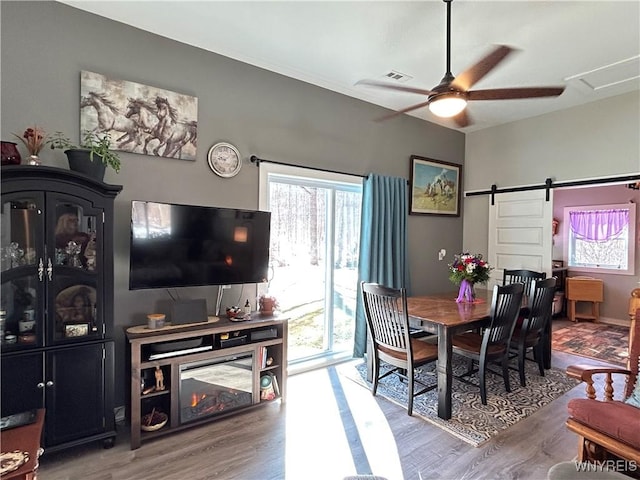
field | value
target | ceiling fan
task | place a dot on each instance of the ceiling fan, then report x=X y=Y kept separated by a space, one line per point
x=449 y=98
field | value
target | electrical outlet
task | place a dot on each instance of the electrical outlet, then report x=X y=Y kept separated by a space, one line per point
x=441 y=254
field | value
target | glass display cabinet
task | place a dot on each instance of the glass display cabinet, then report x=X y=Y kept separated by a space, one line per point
x=56 y=304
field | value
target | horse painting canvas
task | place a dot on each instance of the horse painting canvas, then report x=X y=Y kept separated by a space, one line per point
x=435 y=187
x=139 y=118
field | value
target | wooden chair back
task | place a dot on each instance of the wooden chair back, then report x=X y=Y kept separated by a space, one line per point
x=387 y=320
x=634 y=303
x=634 y=353
x=522 y=276
x=540 y=305
x=505 y=307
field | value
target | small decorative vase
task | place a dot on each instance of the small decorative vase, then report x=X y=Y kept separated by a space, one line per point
x=466 y=293
x=267 y=306
x=33 y=160
x=10 y=154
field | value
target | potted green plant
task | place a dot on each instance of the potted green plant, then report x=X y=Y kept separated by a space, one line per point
x=91 y=157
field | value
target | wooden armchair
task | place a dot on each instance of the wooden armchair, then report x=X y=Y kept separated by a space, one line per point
x=608 y=428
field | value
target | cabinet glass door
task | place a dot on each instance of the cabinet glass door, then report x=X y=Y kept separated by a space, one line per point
x=76 y=260
x=23 y=266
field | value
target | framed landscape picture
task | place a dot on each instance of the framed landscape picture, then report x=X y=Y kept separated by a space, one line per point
x=435 y=187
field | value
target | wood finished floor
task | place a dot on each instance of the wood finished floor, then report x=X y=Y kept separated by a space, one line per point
x=329 y=428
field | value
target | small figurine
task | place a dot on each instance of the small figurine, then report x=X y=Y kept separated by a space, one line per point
x=73 y=252
x=159 y=379
x=16 y=254
x=90 y=252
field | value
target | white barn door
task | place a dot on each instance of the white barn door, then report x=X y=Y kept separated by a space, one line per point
x=520 y=234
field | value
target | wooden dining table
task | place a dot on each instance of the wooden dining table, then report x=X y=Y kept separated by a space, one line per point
x=442 y=315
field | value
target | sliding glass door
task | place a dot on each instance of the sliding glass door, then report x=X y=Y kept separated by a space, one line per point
x=315 y=230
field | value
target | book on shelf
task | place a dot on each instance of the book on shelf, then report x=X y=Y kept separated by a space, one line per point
x=264 y=354
x=276 y=387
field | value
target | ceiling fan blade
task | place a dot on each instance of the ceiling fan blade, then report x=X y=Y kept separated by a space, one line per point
x=463 y=119
x=514 y=93
x=400 y=88
x=400 y=112
x=472 y=75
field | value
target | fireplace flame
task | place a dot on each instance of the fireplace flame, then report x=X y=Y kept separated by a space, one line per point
x=199 y=404
x=196 y=398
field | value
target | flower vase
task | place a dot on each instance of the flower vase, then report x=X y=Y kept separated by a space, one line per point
x=466 y=294
x=33 y=160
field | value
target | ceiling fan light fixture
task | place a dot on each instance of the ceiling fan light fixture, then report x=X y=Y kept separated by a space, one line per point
x=447 y=105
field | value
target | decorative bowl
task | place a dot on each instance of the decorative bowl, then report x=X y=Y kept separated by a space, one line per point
x=233 y=312
x=153 y=421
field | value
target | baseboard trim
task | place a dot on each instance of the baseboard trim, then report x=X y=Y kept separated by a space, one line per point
x=615 y=321
x=604 y=320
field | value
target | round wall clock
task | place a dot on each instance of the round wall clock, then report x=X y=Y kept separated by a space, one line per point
x=224 y=159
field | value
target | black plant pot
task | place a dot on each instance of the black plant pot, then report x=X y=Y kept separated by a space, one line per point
x=80 y=161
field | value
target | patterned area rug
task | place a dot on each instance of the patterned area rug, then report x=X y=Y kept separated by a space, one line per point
x=609 y=343
x=471 y=421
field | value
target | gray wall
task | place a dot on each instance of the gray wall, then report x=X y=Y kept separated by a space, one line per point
x=599 y=139
x=44 y=47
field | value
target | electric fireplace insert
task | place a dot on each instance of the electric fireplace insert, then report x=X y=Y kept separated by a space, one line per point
x=216 y=386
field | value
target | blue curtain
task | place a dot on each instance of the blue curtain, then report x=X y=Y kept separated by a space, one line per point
x=383 y=242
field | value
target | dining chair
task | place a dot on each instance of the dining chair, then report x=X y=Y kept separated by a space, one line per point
x=522 y=276
x=531 y=335
x=525 y=277
x=388 y=327
x=492 y=345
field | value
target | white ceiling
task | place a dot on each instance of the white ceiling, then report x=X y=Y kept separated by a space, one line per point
x=335 y=44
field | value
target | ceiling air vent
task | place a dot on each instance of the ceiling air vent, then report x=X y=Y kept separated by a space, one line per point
x=397 y=76
x=609 y=75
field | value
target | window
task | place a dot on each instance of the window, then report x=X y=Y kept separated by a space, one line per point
x=600 y=238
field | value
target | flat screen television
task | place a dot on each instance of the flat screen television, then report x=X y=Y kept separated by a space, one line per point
x=186 y=245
